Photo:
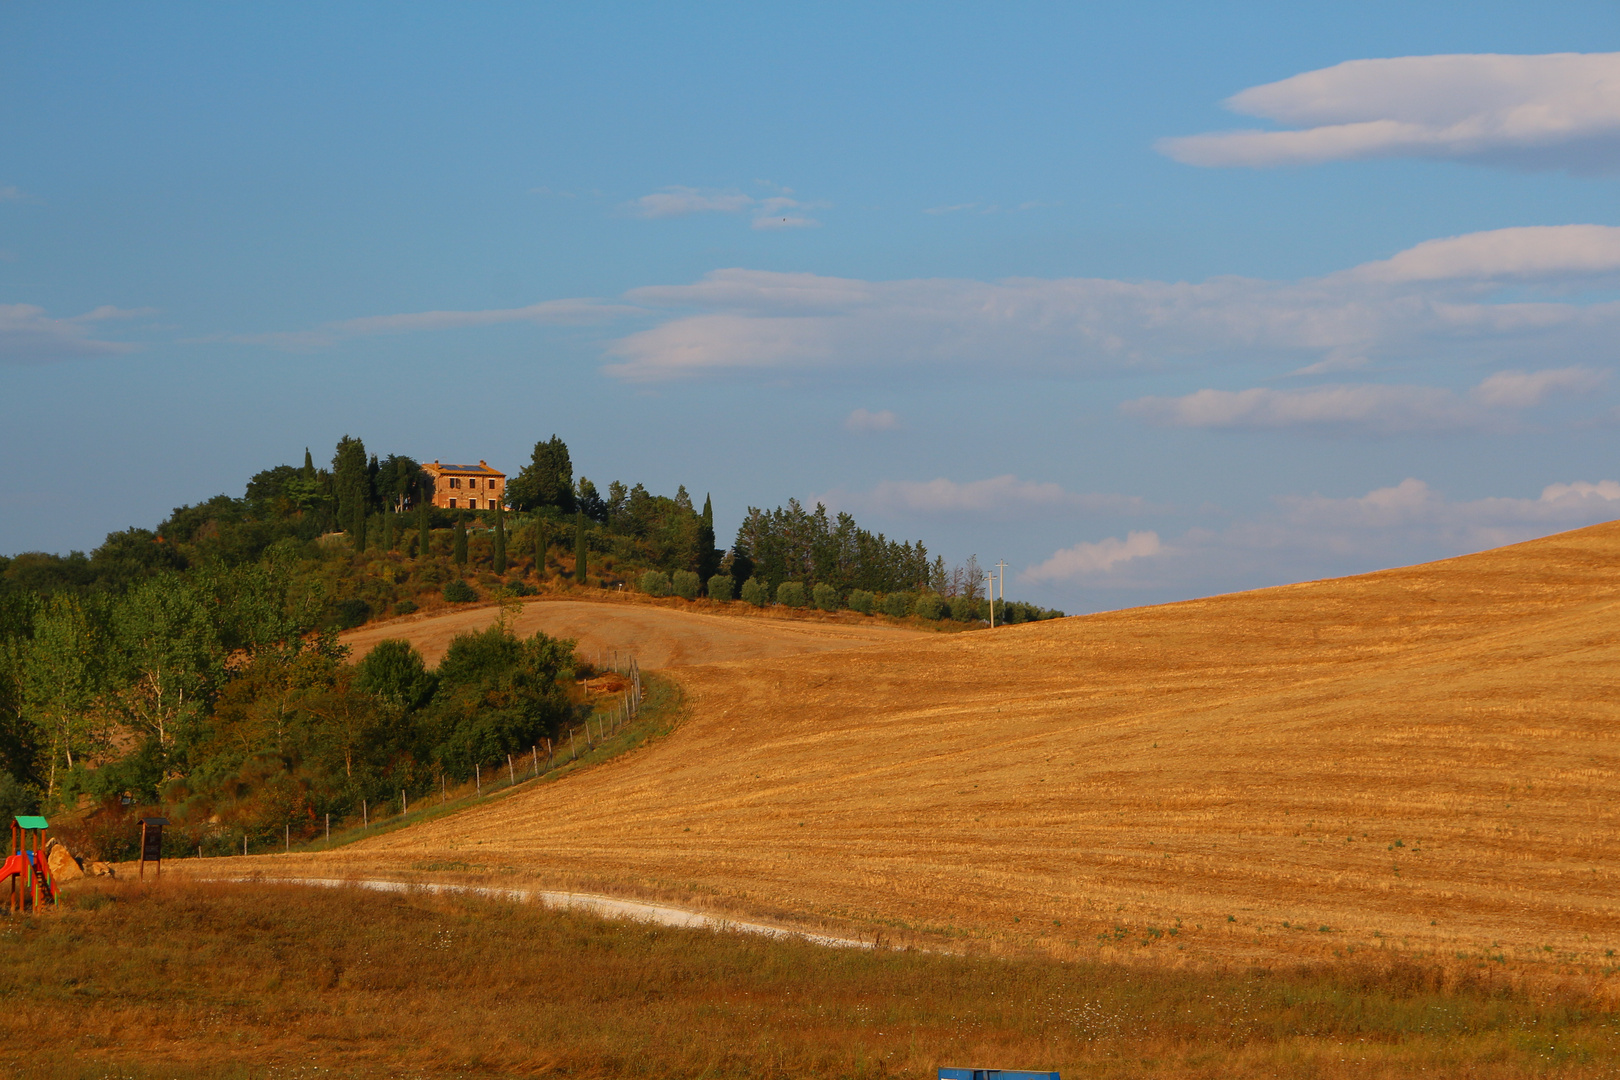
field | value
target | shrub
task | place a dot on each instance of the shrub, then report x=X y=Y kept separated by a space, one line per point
x=965 y=610
x=790 y=594
x=404 y=607
x=686 y=584
x=825 y=597
x=520 y=588
x=755 y=591
x=655 y=583
x=459 y=592
x=897 y=605
x=720 y=587
x=860 y=600
x=351 y=613
x=928 y=606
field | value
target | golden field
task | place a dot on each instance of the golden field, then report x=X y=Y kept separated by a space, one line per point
x=1419 y=762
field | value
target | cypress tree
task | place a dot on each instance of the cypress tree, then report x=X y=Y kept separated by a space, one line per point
x=540 y=545
x=580 y=564
x=358 y=531
x=500 y=538
x=309 y=465
x=388 y=531
x=460 y=553
x=424 y=534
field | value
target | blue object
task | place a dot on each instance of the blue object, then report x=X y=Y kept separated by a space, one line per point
x=995 y=1074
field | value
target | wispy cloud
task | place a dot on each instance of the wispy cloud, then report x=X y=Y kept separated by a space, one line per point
x=1369 y=407
x=1554 y=111
x=1089 y=560
x=779 y=211
x=29 y=336
x=1443 y=298
x=864 y=420
x=997 y=494
x=549 y=312
x=12 y=194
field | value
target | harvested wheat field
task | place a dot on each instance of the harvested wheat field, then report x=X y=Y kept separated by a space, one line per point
x=658 y=637
x=1423 y=760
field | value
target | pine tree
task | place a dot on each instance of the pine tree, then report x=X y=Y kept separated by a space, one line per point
x=580 y=567
x=424 y=534
x=500 y=538
x=460 y=552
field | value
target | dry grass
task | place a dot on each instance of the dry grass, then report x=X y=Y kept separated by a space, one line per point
x=185 y=981
x=659 y=633
x=1422 y=762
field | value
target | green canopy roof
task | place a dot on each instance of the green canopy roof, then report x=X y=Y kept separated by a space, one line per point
x=28 y=821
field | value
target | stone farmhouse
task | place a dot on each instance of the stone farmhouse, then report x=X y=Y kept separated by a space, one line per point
x=467 y=487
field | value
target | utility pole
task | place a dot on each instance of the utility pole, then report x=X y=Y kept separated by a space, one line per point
x=1001 y=569
x=990 y=587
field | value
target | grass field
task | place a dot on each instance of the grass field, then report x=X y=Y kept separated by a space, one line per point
x=186 y=981
x=1419 y=763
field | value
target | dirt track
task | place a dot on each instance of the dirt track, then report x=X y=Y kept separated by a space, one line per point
x=659 y=637
x=1425 y=759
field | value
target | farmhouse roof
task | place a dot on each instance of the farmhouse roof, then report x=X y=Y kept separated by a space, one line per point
x=481 y=469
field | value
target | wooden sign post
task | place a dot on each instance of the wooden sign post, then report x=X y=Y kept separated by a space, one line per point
x=152 y=843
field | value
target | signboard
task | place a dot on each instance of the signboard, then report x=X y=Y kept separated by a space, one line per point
x=152 y=842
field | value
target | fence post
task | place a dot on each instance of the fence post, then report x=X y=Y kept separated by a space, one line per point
x=244 y=841
x=536 y=759
x=328 y=828
x=478 y=777
x=511 y=777
x=365 y=815
x=404 y=807
x=572 y=756
x=287 y=837
x=551 y=759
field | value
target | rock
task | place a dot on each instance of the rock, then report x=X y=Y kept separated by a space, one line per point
x=101 y=869
x=64 y=867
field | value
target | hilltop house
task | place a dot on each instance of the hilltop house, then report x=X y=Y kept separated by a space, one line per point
x=468 y=487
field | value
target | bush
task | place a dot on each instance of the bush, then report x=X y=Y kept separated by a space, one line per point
x=754 y=591
x=928 y=606
x=459 y=592
x=720 y=587
x=790 y=594
x=351 y=613
x=965 y=610
x=825 y=597
x=655 y=583
x=404 y=607
x=860 y=600
x=897 y=605
x=686 y=584
x=16 y=797
x=520 y=588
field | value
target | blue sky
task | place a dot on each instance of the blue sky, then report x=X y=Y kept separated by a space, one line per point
x=998 y=277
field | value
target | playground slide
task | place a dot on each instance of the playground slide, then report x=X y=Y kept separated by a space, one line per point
x=17 y=865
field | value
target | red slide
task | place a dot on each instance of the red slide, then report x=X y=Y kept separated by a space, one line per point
x=17 y=864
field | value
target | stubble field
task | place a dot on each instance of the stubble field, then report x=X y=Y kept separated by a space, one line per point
x=1418 y=763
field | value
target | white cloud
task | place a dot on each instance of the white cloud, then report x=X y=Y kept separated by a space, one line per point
x=773 y=212
x=864 y=420
x=998 y=494
x=1555 y=111
x=1085 y=561
x=29 y=336
x=12 y=194
x=1537 y=252
x=1370 y=407
x=1432 y=301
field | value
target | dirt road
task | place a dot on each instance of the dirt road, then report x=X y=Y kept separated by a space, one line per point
x=1423 y=760
x=659 y=637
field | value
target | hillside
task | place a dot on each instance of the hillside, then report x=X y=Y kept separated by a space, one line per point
x=658 y=637
x=1423 y=759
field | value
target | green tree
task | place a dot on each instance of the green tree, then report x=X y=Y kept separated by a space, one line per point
x=655 y=583
x=61 y=674
x=424 y=532
x=685 y=584
x=165 y=663
x=352 y=482
x=708 y=556
x=581 y=558
x=720 y=587
x=548 y=479
x=790 y=594
x=500 y=539
x=541 y=543
x=309 y=465
x=460 y=551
